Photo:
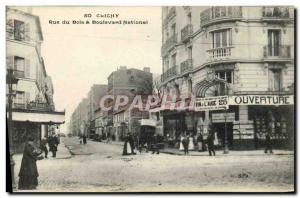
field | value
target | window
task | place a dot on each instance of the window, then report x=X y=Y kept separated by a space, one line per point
x=190 y=86
x=190 y=52
x=166 y=60
x=273 y=42
x=173 y=29
x=228 y=77
x=19 y=67
x=275 y=79
x=221 y=39
x=174 y=60
x=189 y=18
x=19 y=30
x=225 y=75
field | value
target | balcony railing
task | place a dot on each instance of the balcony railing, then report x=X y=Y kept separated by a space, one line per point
x=276 y=12
x=170 y=42
x=220 y=13
x=19 y=74
x=186 y=32
x=169 y=73
x=19 y=106
x=171 y=13
x=186 y=65
x=34 y=106
x=220 y=52
x=281 y=51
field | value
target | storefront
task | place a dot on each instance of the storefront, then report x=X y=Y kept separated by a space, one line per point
x=31 y=123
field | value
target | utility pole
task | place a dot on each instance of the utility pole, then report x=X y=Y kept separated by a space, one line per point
x=11 y=80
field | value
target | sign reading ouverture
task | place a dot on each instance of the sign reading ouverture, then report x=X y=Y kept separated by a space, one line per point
x=261 y=100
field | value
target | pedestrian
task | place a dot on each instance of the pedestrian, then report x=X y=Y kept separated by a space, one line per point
x=53 y=143
x=210 y=144
x=181 y=137
x=131 y=143
x=43 y=146
x=154 y=145
x=84 y=139
x=200 y=142
x=268 y=144
x=185 y=143
x=191 y=145
x=28 y=175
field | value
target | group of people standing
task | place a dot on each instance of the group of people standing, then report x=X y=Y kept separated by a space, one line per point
x=132 y=143
x=28 y=172
x=188 y=142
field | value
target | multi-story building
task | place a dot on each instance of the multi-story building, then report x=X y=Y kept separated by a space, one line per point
x=79 y=118
x=129 y=82
x=248 y=51
x=96 y=92
x=33 y=106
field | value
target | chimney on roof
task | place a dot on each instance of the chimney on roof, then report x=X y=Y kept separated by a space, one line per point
x=123 y=67
x=147 y=69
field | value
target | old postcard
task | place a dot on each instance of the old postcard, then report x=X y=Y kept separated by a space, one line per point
x=150 y=99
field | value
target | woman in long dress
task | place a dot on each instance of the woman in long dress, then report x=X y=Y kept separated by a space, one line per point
x=191 y=143
x=181 y=148
x=28 y=175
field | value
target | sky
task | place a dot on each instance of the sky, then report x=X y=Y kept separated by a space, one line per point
x=78 y=56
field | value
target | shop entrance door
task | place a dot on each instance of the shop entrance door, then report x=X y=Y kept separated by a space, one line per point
x=220 y=130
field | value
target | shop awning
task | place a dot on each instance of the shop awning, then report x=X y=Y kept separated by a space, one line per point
x=52 y=117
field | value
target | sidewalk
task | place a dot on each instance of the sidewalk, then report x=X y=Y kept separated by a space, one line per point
x=174 y=151
x=62 y=151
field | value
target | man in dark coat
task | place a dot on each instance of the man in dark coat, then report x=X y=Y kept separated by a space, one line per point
x=53 y=143
x=131 y=143
x=28 y=172
x=268 y=144
x=185 y=143
x=210 y=144
x=84 y=139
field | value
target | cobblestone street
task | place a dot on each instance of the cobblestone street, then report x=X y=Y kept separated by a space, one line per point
x=100 y=167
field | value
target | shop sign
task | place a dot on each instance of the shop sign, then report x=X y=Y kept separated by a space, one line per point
x=211 y=103
x=220 y=117
x=261 y=100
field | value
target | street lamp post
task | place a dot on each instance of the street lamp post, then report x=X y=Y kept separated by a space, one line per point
x=10 y=81
x=226 y=149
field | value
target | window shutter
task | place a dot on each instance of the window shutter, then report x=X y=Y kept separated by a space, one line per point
x=10 y=28
x=10 y=62
x=27 y=68
x=27 y=32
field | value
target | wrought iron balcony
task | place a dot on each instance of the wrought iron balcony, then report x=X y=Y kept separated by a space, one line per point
x=186 y=32
x=276 y=13
x=170 y=43
x=221 y=52
x=186 y=65
x=219 y=14
x=34 y=106
x=171 y=13
x=281 y=51
x=18 y=74
x=169 y=73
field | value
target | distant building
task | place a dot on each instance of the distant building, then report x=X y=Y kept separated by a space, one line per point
x=129 y=82
x=33 y=105
x=96 y=92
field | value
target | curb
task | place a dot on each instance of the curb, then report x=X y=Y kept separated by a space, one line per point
x=262 y=154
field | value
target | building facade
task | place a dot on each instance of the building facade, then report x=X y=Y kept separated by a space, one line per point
x=248 y=51
x=95 y=94
x=33 y=107
x=129 y=82
x=79 y=118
